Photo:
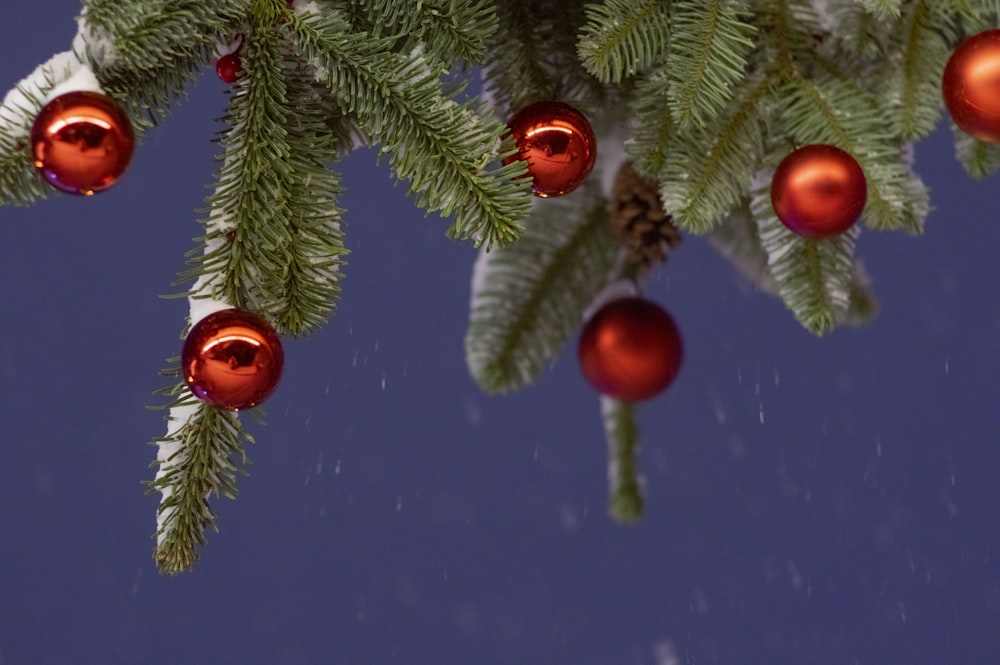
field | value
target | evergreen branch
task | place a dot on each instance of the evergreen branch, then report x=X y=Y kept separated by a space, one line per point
x=813 y=276
x=273 y=239
x=976 y=15
x=922 y=54
x=829 y=110
x=447 y=30
x=20 y=183
x=708 y=169
x=623 y=37
x=884 y=10
x=738 y=241
x=249 y=231
x=527 y=299
x=533 y=56
x=513 y=72
x=651 y=130
x=862 y=34
x=441 y=147
x=789 y=29
x=978 y=158
x=201 y=454
x=820 y=102
x=145 y=51
x=708 y=57
x=625 y=501
x=311 y=282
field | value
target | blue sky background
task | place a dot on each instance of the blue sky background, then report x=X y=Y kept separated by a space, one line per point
x=815 y=501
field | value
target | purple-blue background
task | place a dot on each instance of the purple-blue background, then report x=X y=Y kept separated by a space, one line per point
x=814 y=501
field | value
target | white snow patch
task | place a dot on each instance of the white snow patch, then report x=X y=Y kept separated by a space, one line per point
x=480 y=277
x=169 y=455
x=82 y=79
x=17 y=112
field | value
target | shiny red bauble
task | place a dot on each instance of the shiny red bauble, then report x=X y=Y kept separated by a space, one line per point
x=971 y=86
x=232 y=359
x=558 y=144
x=819 y=191
x=82 y=142
x=630 y=349
x=228 y=67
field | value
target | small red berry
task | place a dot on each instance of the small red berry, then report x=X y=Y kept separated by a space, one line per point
x=228 y=67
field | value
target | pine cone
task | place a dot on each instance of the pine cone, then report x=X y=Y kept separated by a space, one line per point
x=639 y=221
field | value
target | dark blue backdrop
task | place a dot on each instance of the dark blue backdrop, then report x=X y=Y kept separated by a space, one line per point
x=809 y=500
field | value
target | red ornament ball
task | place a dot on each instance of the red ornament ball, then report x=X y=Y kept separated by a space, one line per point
x=228 y=67
x=82 y=142
x=630 y=349
x=819 y=191
x=232 y=359
x=971 y=86
x=558 y=144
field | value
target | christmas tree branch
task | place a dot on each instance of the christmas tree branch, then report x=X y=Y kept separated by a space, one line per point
x=443 y=148
x=651 y=130
x=924 y=41
x=622 y=37
x=820 y=103
x=533 y=56
x=448 y=30
x=514 y=68
x=316 y=243
x=882 y=9
x=20 y=183
x=527 y=299
x=707 y=171
x=737 y=239
x=716 y=91
x=275 y=237
x=861 y=33
x=980 y=159
x=145 y=53
x=201 y=454
x=708 y=57
x=142 y=54
x=625 y=502
x=829 y=111
x=976 y=15
x=814 y=277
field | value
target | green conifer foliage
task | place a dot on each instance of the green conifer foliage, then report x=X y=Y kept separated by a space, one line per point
x=703 y=97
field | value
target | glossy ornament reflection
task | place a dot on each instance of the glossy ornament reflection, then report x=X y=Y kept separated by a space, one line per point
x=819 y=191
x=971 y=86
x=232 y=359
x=558 y=144
x=630 y=349
x=82 y=142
